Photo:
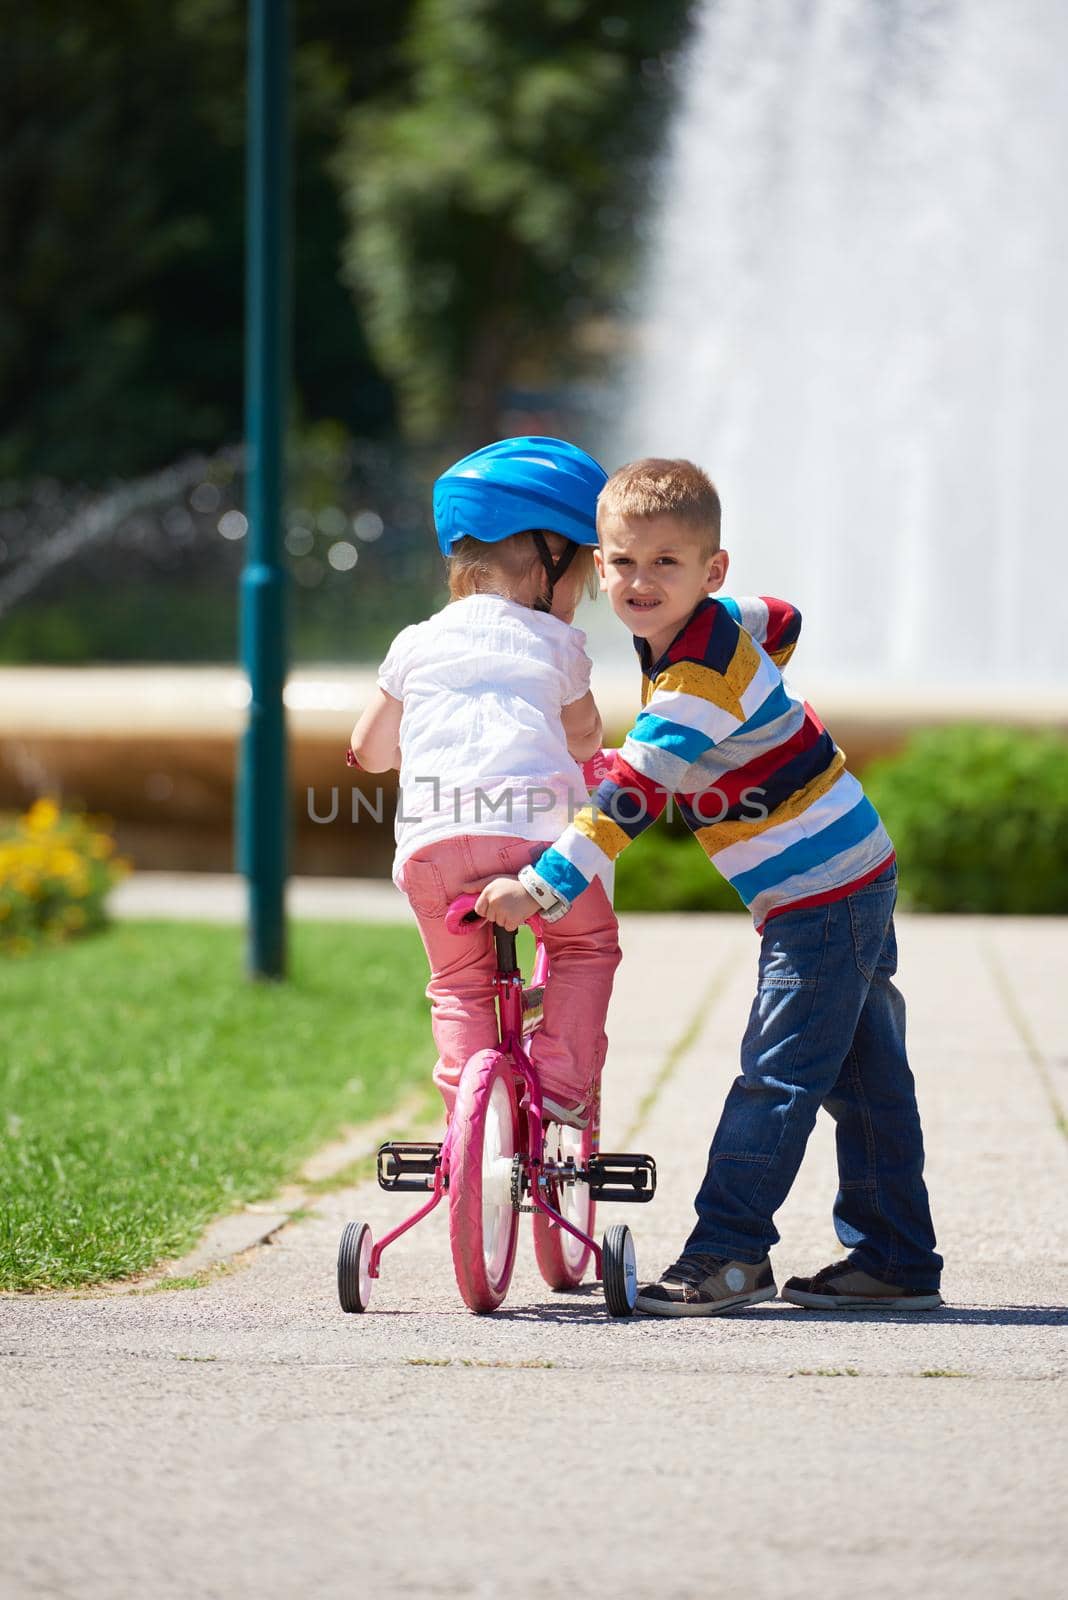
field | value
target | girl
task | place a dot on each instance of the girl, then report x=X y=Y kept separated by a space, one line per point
x=486 y=709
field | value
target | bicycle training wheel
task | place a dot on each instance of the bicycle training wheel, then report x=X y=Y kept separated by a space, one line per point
x=483 y=1224
x=619 y=1271
x=562 y=1259
x=354 y=1267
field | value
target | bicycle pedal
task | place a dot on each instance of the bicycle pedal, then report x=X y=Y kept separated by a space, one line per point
x=621 y=1179
x=408 y=1166
x=533 y=1005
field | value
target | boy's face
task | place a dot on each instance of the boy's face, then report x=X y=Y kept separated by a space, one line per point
x=656 y=571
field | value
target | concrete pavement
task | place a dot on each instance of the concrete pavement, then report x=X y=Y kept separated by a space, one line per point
x=247 y=1439
x=223 y=897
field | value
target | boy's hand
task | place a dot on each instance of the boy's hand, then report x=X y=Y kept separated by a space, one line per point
x=506 y=902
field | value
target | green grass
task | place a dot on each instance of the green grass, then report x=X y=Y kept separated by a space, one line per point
x=146 y=1086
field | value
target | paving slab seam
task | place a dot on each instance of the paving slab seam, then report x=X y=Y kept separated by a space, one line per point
x=1018 y=1017
x=683 y=1044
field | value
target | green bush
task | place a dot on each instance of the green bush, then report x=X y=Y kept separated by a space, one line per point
x=979 y=816
x=666 y=870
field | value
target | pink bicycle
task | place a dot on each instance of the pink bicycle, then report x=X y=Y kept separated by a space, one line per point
x=499 y=1159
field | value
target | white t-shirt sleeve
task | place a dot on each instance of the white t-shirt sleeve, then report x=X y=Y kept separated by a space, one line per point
x=577 y=669
x=394 y=669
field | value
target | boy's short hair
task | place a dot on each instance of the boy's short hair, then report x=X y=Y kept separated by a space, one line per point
x=658 y=487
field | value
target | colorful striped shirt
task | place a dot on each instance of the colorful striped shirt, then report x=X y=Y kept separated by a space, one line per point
x=754 y=773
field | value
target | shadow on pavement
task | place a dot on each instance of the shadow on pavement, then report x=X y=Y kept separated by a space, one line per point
x=978 y=1316
x=562 y=1311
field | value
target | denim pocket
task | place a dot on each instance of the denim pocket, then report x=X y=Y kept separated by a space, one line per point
x=871 y=911
x=425 y=888
x=791 y=953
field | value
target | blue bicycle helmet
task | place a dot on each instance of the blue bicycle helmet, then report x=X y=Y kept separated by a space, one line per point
x=517 y=485
x=522 y=485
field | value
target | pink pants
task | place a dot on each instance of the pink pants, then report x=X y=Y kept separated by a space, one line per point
x=583 y=949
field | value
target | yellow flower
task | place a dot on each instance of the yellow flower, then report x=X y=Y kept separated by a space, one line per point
x=55 y=869
x=65 y=863
x=42 y=816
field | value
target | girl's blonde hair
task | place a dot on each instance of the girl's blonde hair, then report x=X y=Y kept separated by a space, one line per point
x=506 y=567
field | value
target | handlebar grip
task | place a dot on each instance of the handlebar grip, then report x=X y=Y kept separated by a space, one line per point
x=460 y=917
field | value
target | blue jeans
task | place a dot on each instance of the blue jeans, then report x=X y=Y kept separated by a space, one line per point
x=827 y=1028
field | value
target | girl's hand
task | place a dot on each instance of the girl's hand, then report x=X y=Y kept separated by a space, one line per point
x=506 y=902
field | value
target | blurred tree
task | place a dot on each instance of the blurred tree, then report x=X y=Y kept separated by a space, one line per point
x=122 y=224
x=492 y=200
x=493 y=159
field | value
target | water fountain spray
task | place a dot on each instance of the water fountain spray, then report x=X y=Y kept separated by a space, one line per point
x=854 y=317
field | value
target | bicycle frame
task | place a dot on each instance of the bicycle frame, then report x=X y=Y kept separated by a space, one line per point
x=509 y=987
x=511 y=1014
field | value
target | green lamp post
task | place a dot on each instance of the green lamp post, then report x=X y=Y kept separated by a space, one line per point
x=262 y=813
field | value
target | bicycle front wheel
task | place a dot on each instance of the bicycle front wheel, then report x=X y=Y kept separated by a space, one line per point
x=483 y=1222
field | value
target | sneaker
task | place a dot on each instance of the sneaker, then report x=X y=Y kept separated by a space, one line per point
x=702 y=1286
x=844 y=1287
x=573 y=1116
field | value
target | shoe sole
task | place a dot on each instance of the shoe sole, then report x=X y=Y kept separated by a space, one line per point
x=691 y=1308
x=857 y=1302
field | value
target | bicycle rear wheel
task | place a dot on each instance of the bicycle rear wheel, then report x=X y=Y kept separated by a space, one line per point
x=483 y=1223
x=562 y=1259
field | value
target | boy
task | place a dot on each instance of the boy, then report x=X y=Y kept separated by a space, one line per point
x=764 y=789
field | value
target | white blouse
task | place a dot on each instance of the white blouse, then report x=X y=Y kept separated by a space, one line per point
x=483 y=751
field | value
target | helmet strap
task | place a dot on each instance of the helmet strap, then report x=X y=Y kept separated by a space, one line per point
x=554 y=570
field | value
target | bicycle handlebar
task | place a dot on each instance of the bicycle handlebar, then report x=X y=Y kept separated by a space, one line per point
x=460 y=917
